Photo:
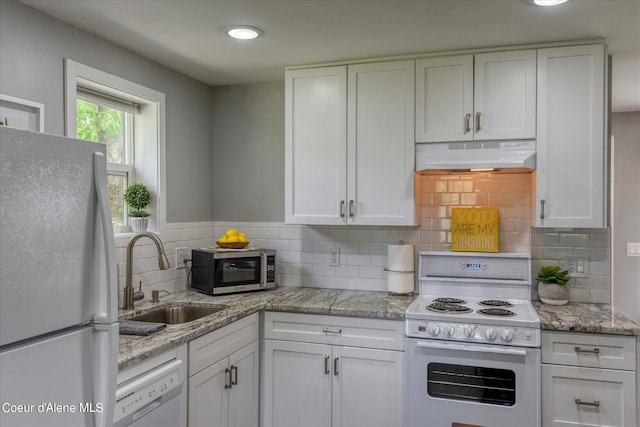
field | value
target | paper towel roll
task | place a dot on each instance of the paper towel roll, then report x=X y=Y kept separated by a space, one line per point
x=400 y=282
x=400 y=258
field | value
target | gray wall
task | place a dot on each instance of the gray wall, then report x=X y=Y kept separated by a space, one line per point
x=33 y=46
x=248 y=152
x=625 y=127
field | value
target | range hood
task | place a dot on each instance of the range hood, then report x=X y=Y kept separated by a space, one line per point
x=501 y=156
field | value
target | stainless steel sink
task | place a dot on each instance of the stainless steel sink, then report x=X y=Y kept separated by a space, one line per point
x=176 y=315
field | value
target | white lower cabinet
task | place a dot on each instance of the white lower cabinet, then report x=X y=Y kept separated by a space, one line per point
x=588 y=380
x=328 y=381
x=224 y=376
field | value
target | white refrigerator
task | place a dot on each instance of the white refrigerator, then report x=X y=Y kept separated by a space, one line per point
x=58 y=295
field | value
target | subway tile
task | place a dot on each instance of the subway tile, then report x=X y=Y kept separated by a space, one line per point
x=574 y=240
x=594 y=254
x=359 y=235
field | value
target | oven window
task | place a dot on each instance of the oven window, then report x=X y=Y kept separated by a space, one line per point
x=237 y=271
x=483 y=385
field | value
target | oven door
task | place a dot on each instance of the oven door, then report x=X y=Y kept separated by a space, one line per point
x=453 y=383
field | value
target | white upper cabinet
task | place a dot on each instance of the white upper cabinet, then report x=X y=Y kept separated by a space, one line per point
x=571 y=153
x=350 y=165
x=315 y=145
x=489 y=96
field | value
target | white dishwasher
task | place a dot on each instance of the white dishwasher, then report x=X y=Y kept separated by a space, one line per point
x=150 y=398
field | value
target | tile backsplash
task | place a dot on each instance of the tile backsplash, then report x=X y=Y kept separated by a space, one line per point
x=304 y=251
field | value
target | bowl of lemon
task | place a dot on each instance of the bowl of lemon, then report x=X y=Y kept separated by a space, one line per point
x=232 y=239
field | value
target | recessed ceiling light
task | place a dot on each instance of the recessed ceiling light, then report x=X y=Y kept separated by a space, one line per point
x=548 y=2
x=243 y=32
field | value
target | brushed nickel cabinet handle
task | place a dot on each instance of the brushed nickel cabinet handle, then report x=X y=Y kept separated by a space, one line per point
x=595 y=351
x=326 y=364
x=478 y=127
x=227 y=385
x=351 y=212
x=332 y=330
x=467 y=123
x=594 y=403
x=234 y=375
x=542 y=210
x=341 y=208
x=335 y=365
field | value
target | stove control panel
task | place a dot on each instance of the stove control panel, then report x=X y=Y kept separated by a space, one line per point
x=468 y=332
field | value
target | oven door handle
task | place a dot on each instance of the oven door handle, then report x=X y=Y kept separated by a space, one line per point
x=473 y=348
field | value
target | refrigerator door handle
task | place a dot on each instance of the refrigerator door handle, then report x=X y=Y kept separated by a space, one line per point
x=109 y=306
x=105 y=372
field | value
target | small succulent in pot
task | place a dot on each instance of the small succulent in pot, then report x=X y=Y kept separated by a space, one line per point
x=137 y=196
x=552 y=285
x=553 y=274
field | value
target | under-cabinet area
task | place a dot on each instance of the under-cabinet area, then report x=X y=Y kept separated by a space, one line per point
x=588 y=379
x=332 y=371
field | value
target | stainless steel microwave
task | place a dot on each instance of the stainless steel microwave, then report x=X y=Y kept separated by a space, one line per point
x=217 y=272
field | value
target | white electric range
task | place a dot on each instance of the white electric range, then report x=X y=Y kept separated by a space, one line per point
x=473 y=342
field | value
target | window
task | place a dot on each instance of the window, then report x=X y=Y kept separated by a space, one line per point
x=129 y=119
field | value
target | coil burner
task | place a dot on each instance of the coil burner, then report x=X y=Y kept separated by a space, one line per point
x=447 y=300
x=495 y=303
x=441 y=307
x=496 y=312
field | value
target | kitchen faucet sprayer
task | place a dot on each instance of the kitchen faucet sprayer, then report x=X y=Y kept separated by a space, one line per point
x=163 y=264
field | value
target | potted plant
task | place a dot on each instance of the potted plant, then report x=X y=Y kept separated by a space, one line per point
x=552 y=285
x=137 y=196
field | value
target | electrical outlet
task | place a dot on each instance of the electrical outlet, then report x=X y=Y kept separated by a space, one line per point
x=181 y=255
x=334 y=257
x=578 y=266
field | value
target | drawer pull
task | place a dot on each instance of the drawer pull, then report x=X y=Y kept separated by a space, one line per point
x=594 y=403
x=595 y=351
x=326 y=364
x=332 y=330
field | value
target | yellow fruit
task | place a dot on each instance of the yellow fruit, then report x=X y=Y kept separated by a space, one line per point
x=223 y=239
x=242 y=238
x=232 y=239
x=231 y=232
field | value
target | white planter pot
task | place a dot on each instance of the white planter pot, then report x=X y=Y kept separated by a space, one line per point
x=553 y=293
x=139 y=224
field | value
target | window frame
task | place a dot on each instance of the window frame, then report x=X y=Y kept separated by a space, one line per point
x=150 y=131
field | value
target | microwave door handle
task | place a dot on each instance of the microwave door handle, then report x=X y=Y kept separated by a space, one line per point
x=263 y=269
x=472 y=348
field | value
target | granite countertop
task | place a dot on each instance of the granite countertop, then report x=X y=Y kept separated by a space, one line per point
x=338 y=302
x=588 y=318
x=573 y=317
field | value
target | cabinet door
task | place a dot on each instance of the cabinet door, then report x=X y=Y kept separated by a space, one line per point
x=574 y=396
x=297 y=384
x=315 y=145
x=208 y=398
x=505 y=95
x=244 y=393
x=381 y=149
x=444 y=99
x=571 y=138
x=367 y=387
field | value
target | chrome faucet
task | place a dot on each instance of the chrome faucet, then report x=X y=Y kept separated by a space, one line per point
x=163 y=263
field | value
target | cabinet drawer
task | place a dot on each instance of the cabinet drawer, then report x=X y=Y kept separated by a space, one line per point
x=586 y=396
x=210 y=348
x=335 y=330
x=590 y=350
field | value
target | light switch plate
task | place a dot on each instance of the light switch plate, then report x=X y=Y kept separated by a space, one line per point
x=578 y=266
x=633 y=249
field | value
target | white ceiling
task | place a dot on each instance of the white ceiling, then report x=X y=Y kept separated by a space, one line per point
x=187 y=35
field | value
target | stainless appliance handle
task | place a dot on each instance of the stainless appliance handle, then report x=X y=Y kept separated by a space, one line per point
x=474 y=348
x=332 y=330
x=263 y=269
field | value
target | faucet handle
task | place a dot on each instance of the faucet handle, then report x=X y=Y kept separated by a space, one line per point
x=138 y=295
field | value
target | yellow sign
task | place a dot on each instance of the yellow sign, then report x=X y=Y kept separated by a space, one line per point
x=474 y=229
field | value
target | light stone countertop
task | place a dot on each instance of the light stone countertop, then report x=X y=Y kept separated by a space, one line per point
x=338 y=302
x=587 y=318
x=573 y=317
